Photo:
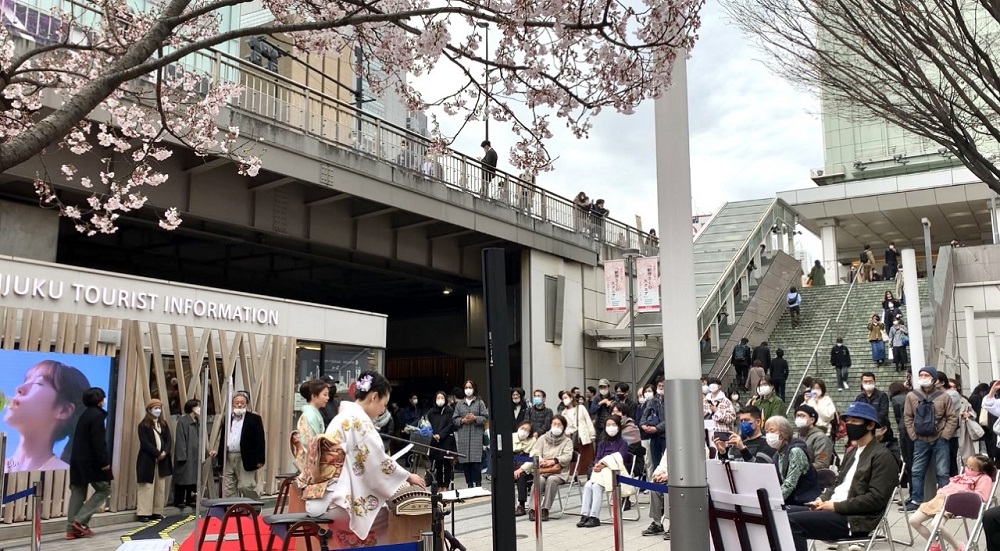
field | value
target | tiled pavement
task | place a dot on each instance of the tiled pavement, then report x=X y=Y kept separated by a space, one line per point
x=474 y=530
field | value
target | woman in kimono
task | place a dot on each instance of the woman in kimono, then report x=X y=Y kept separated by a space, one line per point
x=470 y=423
x=351 y=463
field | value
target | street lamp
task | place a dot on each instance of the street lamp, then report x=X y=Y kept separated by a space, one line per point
x=630 y=256
x=485 y=25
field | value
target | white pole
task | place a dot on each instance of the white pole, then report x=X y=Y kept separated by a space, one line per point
x=913 y=321
x=993 y=356
x=971 y=351
x=682 y=400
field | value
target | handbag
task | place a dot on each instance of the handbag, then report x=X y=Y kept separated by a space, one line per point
x=984 y=417
x=551 y=469
x=906 y=340
x=975 y=431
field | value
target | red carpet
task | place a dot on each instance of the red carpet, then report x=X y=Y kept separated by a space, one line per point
x=234 y=545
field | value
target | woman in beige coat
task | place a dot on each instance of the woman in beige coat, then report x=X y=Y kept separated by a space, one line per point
x=554 y=450
x=580 y=428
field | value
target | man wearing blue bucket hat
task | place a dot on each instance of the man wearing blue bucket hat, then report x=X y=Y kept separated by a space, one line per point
x=854 y=505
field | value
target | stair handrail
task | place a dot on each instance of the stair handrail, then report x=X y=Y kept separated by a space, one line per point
x=826 y=326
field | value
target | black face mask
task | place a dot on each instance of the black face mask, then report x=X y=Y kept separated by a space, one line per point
x=621 y=397
x=856 y=432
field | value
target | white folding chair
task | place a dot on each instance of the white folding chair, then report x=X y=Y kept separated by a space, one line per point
x=621 y=506
x=574 y=472
x=881 y=533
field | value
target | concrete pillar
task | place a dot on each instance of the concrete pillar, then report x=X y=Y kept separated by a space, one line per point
x=913 y=320
x=994 y=360
x=714 y=335
x=828 y=236
x=744 y=288
x=682 y=401
x=27 y=231
x=972 y=354
x=791 y=242
x=731 y=310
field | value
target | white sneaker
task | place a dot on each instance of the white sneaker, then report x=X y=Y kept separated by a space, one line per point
x=855 y=548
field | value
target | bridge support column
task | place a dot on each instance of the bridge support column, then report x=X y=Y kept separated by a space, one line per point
x=682 y=402
x=828 y=236
x=27 y=231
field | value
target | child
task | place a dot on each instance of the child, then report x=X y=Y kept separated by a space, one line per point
x=978 y=477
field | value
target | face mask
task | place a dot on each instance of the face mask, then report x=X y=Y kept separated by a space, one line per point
x=611 y=431
x=856 y=432
x=764 y=390
x=469 y=392
x=603 y=391
x=705 y=389
x=196 y=410
x=439 y=402
x=840 y=344
x=772 y=439
x=621 y=397
x=567 y=402
x=746 y=428
x=647 y=395
x=642 y=400
x=817 y=393
x=516 y=401
x=537 y=400
x=414 y=401
x=801 y=422
x=155 y=412
x=659 y=392
x=868 y=387
x=556 y=431
x=522 y=434
x=713 y=388
x=735 y=397
x=926 y=383
x=239 y=412
x=896 y=322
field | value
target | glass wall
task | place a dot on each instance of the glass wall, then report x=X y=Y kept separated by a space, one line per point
x=342 y=362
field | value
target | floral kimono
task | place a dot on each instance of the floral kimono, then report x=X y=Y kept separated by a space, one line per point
x=366 y=478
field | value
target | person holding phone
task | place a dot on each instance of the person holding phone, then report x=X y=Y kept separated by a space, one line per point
x=854 y=505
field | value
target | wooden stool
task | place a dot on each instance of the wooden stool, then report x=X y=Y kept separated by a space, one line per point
x=236 y=508
x=297 y=525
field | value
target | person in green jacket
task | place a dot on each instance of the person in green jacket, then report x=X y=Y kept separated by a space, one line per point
x=817 y=276
x=766 y=400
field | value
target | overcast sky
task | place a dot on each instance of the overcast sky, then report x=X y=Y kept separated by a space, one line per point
x=751 y=136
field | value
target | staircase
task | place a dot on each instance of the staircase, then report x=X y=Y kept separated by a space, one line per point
x=820 y=304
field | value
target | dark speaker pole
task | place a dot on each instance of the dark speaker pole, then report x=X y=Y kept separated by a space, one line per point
x=501 y=421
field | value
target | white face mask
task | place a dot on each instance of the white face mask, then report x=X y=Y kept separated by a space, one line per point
x=556 y=431
x=611 y=431
x=817 y=393
x=469 y=392
x=155 y=412
x=523 y=434
x=772 y=439
x=440 y=402
x=713 y=388
x=647 y=395
x=926 y=383
x=801 y=422
x=567 y=402
x=659 y=392
x=895 y=322
x=196 y=410
x=516 y=401
x=704 y=389
x=603 y=391
x=239 y=412
x=764 y=390
x=868 y=387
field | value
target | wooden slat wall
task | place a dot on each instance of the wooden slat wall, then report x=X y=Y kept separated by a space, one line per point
x=264 y=365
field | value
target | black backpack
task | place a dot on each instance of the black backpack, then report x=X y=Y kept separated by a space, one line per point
x=924 y=417
x=741 y=352
x=864 y=256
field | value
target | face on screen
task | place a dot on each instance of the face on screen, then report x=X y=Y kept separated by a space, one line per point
x=36 y=406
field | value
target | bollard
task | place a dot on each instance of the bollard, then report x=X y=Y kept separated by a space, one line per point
x=537 y=502
x=3 y=465
x=427 y=541
x=616 y=511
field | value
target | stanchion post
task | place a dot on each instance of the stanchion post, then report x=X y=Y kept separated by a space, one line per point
x=3 y=464
x=36 y=521
x=536 y=501
x=616 y=511
x=202 y=453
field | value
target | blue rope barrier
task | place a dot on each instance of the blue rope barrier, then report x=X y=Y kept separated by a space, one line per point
x=18 y=495
x=522 y=458
x=651 y=486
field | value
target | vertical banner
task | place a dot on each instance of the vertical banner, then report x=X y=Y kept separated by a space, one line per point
x=647 y=273
x=615 y=291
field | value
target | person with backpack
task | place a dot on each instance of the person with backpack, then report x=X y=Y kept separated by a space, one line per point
x=794 y=305
x=840 y=359
x=799 y=480
x=930 y=419
x=867 y=258
x=741 y=361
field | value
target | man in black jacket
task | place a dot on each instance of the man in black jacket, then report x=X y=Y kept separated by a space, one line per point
x=763 y=354
x=489 y=165
x=779 y=373
x=89 y=464
x=243 y=448
x=840 y=359
x=855 y=504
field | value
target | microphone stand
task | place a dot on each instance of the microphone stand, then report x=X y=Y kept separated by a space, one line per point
x=437 y=512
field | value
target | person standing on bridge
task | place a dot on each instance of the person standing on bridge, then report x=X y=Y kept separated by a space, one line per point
x=489 y=161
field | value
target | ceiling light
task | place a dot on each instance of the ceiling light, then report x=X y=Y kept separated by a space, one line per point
x=447 y=290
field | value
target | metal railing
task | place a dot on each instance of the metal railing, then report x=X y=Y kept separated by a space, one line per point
x=819 y=341
x=755 y=326
x=285 y=102
x=714 y=301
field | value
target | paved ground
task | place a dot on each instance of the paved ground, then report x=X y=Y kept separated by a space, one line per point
x=474 y=529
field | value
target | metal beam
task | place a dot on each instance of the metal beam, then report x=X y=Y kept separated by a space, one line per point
x=375 y=213
x=273 y=184
x=480 y=241
x=412 y=225
x=328 y=200
x=207 y=166
x=452 y=233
